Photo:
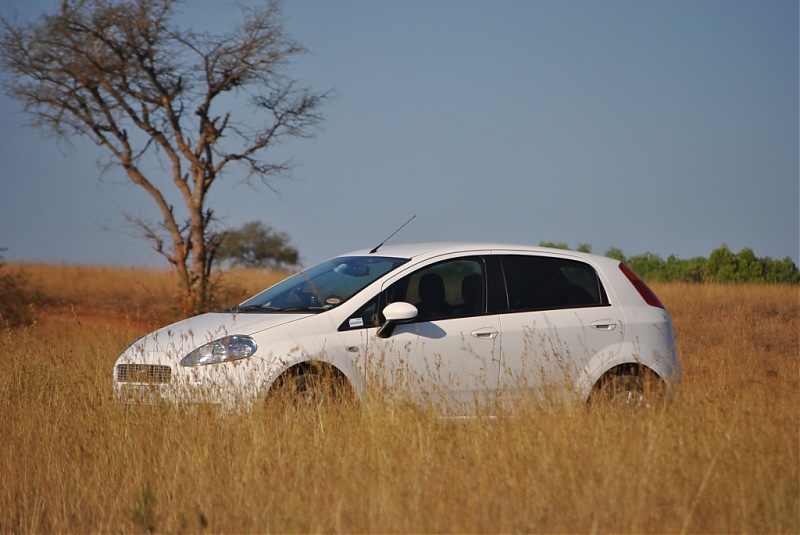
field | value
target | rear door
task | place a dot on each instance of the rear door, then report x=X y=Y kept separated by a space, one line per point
x=556 y=317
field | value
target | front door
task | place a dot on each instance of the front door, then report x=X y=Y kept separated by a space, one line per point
x=450 y=353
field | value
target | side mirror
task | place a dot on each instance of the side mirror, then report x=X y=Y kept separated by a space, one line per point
x=396 y=313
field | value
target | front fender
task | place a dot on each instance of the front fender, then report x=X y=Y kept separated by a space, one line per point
x=282 y=364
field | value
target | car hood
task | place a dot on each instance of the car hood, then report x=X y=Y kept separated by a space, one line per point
x=170 y=344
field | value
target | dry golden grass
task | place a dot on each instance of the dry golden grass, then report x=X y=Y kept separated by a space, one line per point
x=140 y=299
x=724 y=457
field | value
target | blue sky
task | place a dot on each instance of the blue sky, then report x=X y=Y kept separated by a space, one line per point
x=669 y=127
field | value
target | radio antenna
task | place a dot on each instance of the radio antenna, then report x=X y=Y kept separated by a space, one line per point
x=375 y=250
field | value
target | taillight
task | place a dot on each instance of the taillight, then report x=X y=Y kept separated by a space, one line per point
x=644 y=290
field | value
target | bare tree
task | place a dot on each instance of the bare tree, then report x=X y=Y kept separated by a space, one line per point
x=122 y=73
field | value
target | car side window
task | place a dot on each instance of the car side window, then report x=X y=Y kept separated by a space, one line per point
x=448 y=289
x=542 y=283
x=365 y=316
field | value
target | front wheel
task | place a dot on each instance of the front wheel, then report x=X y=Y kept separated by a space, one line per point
x=312 y=385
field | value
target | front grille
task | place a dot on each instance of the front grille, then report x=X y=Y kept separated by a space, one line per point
x=143 y=373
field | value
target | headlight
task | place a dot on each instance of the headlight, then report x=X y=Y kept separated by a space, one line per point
x=225 y=349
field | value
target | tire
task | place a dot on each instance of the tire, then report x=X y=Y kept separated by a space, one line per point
x=311 y=386
x=629 y=389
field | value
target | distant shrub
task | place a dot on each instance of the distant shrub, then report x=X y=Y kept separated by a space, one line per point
x=255 y=245
x=17 y=300
x=723 y=265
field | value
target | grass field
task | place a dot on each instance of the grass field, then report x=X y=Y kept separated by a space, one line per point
x=724 y=457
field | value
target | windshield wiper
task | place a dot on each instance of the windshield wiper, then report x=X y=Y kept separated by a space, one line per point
x=267 y=308
x=306 y=308
x=253 y=308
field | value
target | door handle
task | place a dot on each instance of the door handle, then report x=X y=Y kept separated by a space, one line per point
x=604 y=325
x=488 y=333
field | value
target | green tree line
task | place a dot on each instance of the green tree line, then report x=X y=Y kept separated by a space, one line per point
x=722 y=265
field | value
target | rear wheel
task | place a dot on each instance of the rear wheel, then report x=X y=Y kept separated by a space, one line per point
x=629 y=388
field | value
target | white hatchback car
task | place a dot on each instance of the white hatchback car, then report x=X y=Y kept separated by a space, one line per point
x=458 y=323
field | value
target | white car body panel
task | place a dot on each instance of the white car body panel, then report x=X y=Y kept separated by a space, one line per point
x=454 y=363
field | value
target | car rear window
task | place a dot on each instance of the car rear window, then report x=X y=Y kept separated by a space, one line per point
x=543 y=283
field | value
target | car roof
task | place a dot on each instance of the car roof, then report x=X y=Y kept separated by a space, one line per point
x=412 y=250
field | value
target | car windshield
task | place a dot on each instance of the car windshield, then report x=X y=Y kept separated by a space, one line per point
x=323 y=286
